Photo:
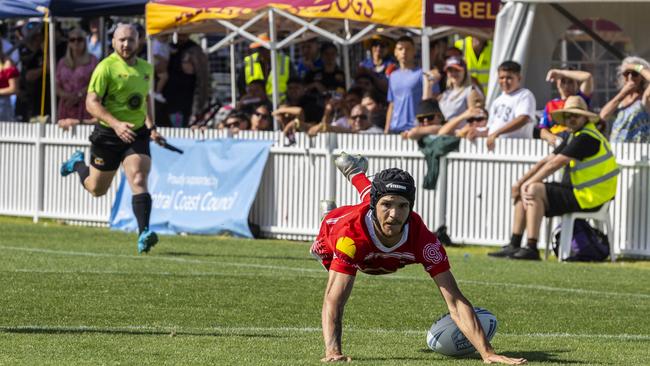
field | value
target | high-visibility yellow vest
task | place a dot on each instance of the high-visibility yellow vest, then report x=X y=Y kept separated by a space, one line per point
x=253 y=71
x=594 y=179
x=478 y=67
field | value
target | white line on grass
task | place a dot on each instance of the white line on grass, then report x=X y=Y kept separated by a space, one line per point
x=320 y=270
x=240 y=330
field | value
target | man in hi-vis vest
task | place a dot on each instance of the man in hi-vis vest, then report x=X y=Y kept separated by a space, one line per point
x=477 y=53
x=589 y=179
x=257 y=66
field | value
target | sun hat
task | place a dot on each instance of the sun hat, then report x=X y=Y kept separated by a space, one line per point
x=574 y=105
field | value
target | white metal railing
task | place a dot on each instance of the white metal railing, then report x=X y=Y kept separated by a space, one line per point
x=472 y=199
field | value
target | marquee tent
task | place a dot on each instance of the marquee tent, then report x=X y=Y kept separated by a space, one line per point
x=344 y=22
x=527 y=31
x=70 y=8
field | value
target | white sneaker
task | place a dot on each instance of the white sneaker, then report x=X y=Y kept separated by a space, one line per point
x=351 y=165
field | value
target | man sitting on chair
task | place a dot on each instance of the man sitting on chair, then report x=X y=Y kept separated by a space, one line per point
x=589 y=179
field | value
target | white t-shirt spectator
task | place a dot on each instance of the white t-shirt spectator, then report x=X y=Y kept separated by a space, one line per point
x=510 y=106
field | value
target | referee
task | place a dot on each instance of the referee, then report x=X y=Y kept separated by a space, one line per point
x=117 y=97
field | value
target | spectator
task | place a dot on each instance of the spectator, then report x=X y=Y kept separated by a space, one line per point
x=261 y=119
x=72 y=76
x=94 y=39
x=629 y=110
x=404 y=88
x=257 y=66
x=430 y=120
x=365 y=82
x=453 y=101
x=330 y=78
x=188 y=77
x=437 y=53
x=590 y=178
x=309 y=60
x=297 y=97
x=568 y=82
x=379 y=65
x=8 y=86
x=161 y=53
x=8 y=48
x=141 y=49
x=512 y=113
x=340 y=107
x=236 y=121
x=475 y=118
x=28 y=102
x=360 y=121
x=477 y=52
x=255 y=95
x=375 y=103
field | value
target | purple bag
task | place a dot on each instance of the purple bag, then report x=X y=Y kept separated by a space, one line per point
x=588 y=244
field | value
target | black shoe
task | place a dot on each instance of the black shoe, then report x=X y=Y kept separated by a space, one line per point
x=527 y=254
x=505 y=252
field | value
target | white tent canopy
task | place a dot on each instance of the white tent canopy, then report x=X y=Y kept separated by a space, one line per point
x=527 y=31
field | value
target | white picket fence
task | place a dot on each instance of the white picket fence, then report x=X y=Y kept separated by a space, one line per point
x=472 y=199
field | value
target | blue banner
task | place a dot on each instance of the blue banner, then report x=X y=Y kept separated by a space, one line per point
x=207 y=190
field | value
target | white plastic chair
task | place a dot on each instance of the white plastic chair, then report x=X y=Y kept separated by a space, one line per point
x=602 y=219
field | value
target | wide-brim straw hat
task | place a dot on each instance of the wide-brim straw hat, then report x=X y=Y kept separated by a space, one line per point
x=574 y=105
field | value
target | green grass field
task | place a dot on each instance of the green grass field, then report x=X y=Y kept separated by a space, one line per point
x=74 y=295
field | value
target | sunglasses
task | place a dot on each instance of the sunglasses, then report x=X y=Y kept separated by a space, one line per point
x=359 y=116
x=475 y=119
x=634 y=74
x=76 y=39
x=423 y=119
x=261 y=115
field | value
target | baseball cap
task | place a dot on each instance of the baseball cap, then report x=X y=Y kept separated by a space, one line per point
x=455 y=62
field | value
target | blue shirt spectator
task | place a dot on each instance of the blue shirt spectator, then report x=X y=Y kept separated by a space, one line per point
x=405 y=93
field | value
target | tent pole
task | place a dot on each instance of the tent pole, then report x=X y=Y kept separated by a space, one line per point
x=274 y=65
x=52 y=56
x=346 y=55
x=233 y=75
x=426 y=50
x=102 y=36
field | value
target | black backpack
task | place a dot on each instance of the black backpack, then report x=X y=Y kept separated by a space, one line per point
x=588 y=244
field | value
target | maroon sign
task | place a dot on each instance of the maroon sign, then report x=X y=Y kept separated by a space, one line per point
x=462 y=13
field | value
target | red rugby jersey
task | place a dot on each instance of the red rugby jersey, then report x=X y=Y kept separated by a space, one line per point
x=347 y=242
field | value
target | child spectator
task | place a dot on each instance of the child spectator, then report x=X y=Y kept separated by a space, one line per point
x=569 y=82
x=512 y=113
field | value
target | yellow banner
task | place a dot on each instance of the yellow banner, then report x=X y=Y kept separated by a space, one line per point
x=396 y=13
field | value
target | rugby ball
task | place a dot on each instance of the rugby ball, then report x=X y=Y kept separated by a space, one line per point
x=444 y=336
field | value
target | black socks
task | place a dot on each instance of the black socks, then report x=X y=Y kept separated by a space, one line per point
x=515 y=240
x=142 y=210
x=83 y=170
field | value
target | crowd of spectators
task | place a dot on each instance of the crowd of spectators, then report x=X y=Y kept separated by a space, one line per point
x=390 y=92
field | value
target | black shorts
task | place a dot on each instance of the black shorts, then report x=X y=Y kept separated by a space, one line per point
x=107 y=151
x=561 y=200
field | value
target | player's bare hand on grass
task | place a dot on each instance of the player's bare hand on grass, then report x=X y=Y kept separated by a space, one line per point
x=505 y=360
x=124 y=131
x=336 y=358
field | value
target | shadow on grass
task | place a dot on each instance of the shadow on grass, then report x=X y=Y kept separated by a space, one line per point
x=537 y=356
x=144 y=332
x=188 y=254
